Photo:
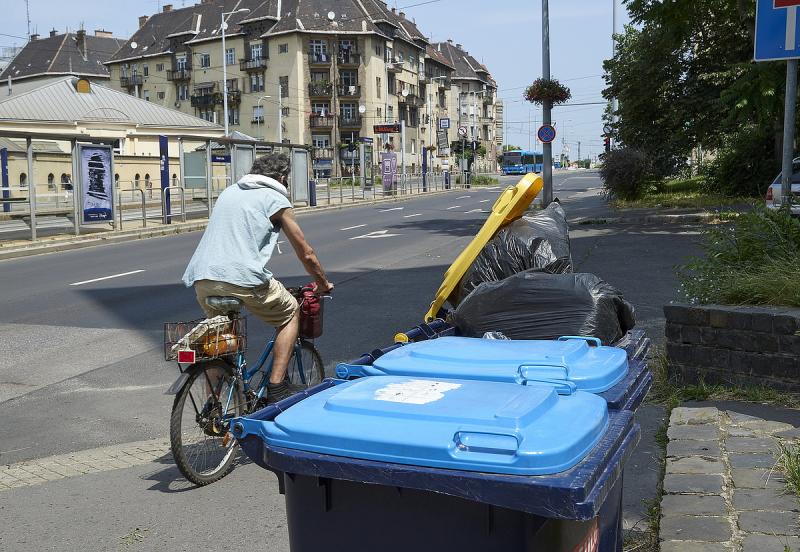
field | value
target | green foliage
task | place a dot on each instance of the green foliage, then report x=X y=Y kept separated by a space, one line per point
x=754 y=260
x=625 y=173
x=789 y=463
x=484 y=180
x=511 y=148
x=681 y=193
x=547 y=91
x=743 y=166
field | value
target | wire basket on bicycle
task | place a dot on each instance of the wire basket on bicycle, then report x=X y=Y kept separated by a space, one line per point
x=205 y=338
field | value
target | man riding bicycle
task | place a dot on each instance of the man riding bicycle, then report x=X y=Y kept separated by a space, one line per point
x=236 y=246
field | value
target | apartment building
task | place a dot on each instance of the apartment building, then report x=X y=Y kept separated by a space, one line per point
x=315 y=72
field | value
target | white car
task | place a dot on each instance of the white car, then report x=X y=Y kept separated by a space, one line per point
x=774 y=191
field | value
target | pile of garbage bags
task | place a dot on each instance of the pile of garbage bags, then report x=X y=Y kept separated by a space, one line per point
x=522 y=285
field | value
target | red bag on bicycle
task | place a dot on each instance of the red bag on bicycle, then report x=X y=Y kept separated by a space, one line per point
x=311 y=314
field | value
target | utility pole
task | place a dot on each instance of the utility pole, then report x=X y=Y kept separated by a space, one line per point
x=547 y=169
x=788 y=133
x=579 y=151
x=614 y=104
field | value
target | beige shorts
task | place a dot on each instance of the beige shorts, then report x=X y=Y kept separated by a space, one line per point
x=271 y=302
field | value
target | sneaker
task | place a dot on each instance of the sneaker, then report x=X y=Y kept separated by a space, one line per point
x=278 y=391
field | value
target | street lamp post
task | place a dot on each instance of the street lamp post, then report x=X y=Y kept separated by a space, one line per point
x=258 y=121
x=223 y=26
x=547 y=149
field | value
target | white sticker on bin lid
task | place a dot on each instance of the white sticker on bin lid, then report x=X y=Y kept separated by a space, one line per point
x=415 y=391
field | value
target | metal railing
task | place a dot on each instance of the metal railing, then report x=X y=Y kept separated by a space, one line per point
x=165 y=195
x=121 y=210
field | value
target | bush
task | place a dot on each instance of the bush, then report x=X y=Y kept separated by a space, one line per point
x=752 y=261
x=483 y=180
x=625 y=173
x=744 y=166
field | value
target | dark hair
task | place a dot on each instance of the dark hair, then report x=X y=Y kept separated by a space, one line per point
x=273 y=165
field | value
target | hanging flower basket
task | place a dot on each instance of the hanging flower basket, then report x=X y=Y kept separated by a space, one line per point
x=430 y=148
x=389 y=146
x=551 y=91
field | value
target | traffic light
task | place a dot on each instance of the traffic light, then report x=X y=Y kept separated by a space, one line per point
x=607 y=142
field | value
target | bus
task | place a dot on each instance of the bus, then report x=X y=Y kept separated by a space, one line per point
x=522 y=162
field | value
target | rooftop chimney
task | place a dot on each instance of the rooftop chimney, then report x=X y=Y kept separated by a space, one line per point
x=167 y=8
x=142 y=20
x=103 y=33
x=34 y=36
x=449 y=40
x=403 y=15
x=458 y=46
x=80 y=42
x=53 y=33
x=394 y=10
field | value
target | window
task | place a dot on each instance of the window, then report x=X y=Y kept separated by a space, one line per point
x=348 y=78
x=392 y=84
x=159 y=66
x=145 y=70
x=379 y=113
x=378 y=49
x=378 y=86
x=257 y=82
x=258 y=113
x=283 y=48
x=321 y=140
x=233 y=115
x=230 y=56
x=318 y=76
x=205 y=60
x=285 y=111
x=136 y=179
x=256 y=51
x=348 y=110
x=207 y=115
x=183 y=92
x=319 y=48
x=233 y=84
x=388 y=55
x=321 y=108
x=413 y=146
x=284 y=83
x=51 y=181
x=180 y=63
x=161 y=95
x=390 y=114
x=64 y=181
x=146 y=95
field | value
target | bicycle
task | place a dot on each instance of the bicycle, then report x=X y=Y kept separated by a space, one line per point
x=217 y=386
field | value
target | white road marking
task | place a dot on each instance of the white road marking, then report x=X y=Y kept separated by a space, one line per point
x=463 y=197
x=352 y=227
x=392 y=209
x=492 y=188
x=454 y=207
x=375 y=235
x=108 y=277
x=477 y=211
x=484 y=201
x=414 y=215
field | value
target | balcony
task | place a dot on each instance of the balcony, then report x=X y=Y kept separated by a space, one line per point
x=319 y=58
x=411 y=100
x=347 y=155
x=257 y=120
x=206 y=100
x=179 y=74
x=320 y=89
x=352 y=121
x=131 y=81
x=349 y=59
x=258 y=64
x=322 y=122
x=488 y=100
x=322 y=153
x=394 y=66
x=348 y=91
x=444 y=84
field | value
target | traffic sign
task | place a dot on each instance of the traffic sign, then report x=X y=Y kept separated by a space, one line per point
x=776 y=30
x=607 y=130
x=462 y=131
x=546 y=134
x=444 y=123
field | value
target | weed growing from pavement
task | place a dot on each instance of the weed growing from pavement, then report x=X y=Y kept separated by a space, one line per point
x=788 y=461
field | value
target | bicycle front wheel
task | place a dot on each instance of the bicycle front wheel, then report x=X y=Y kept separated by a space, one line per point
x=203 y=448
x=305 y=367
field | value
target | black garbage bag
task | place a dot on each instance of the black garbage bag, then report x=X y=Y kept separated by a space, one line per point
x=539 y=240
x=538 y=305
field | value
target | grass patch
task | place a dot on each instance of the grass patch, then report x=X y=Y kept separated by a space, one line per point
x=789 y=463
x=484 y=180
x=680 y=194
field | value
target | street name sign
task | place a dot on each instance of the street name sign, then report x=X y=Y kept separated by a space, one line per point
x=776 y=30
x=546 y=134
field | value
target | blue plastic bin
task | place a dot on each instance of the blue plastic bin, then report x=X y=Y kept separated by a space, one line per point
x=397 y=464
x=607 y=371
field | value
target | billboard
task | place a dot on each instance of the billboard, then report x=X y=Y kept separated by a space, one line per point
x=389 y=171
x=97 y=184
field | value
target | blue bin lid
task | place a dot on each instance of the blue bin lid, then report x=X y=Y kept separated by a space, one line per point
x=591 y=367
x=446 y=423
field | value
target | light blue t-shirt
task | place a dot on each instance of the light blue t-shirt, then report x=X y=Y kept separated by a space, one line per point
x=239 y=239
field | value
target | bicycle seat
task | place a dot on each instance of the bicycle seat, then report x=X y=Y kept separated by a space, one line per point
x=224 y=304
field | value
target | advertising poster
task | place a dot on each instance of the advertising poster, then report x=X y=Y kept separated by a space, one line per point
x=97 y=178
x=388 y=170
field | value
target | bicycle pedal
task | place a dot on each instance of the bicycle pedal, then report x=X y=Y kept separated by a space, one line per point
x=226 y=439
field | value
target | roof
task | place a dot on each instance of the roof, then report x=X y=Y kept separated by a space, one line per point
x=59 y=102
x=38 y=146
x=437 y=56
x=466 y=66
x=60 y=55
x=202 y=22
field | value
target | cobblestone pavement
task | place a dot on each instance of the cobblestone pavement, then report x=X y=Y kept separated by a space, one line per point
x=722 y=491
x=34 y=472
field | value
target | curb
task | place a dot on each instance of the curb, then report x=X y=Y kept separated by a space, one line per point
x=686 y=218
x=70 y=243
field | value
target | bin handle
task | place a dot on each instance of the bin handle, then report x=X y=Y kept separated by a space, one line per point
x=347 y=371
x=536 y=371
x=484 y=443
x=592 y=341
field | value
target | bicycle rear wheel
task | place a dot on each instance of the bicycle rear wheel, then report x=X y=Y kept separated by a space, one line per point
x=305 y=367
x=203 y=449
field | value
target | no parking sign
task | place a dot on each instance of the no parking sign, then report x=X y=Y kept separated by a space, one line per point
x=546 y=134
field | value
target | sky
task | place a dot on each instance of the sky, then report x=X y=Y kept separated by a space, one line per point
x=504 y=34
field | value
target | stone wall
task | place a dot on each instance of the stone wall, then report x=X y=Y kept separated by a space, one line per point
x=734 y=345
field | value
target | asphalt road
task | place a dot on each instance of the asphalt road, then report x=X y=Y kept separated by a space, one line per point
x=81 y=361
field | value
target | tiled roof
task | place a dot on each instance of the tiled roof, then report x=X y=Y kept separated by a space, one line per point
x=60 y=102
x=60 y=54
x=466 y=66
x=437 y=56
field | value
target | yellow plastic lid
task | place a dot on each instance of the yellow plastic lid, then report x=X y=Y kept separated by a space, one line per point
x=510 y=206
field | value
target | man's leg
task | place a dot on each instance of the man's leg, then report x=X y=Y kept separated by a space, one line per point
x=285 y=339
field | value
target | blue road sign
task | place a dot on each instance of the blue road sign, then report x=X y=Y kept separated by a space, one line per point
x=546 y=134
x=776 y=30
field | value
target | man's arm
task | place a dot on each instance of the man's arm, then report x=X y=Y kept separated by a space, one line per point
x=304 y=252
